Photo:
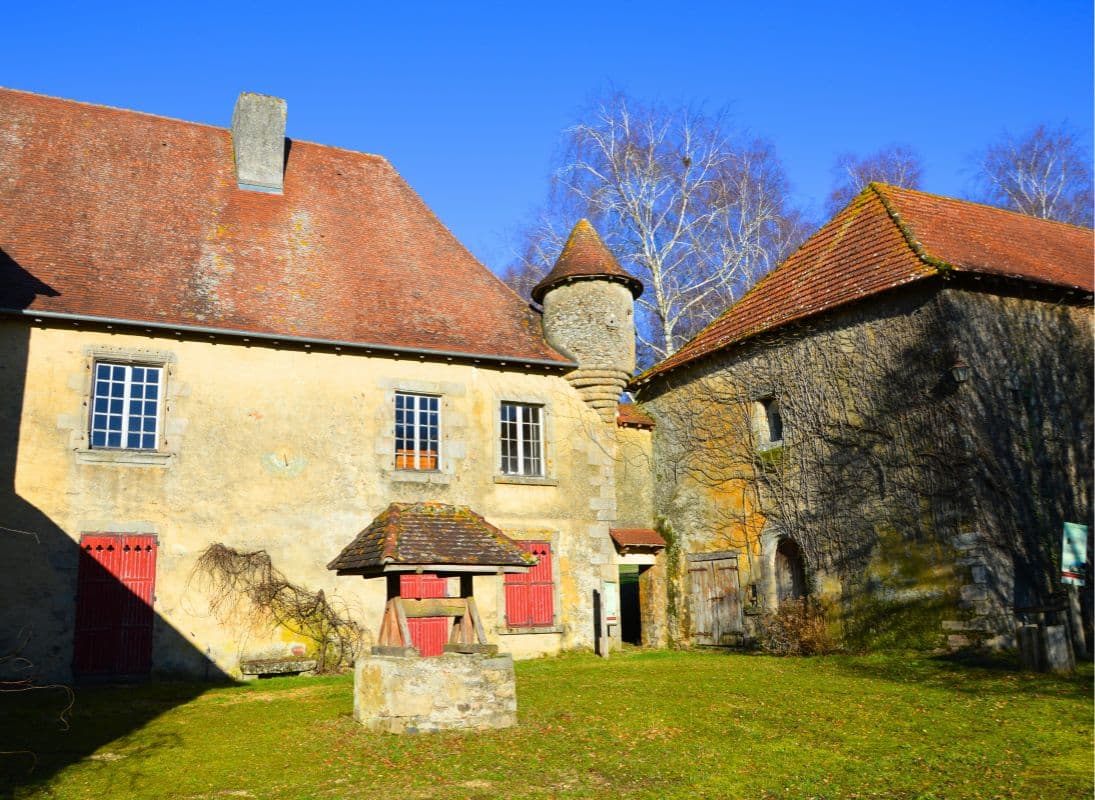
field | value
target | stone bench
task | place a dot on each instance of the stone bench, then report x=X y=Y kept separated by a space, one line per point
x=266 y=667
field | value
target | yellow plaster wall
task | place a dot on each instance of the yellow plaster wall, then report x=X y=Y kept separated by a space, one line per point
x=291 y=452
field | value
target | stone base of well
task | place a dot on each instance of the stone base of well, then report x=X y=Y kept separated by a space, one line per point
x=399 y=694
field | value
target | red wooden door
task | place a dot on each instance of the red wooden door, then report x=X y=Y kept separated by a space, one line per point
x=115 y=585
x=428 y=634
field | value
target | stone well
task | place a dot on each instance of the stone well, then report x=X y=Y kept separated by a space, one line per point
x=408 y=694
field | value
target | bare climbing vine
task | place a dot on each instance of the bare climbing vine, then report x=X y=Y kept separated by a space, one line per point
x=233 y=579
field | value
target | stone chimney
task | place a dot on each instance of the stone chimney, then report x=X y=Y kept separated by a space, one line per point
x=589 y=314
x=258 y=142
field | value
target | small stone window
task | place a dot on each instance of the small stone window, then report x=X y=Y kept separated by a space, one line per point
x=767 y=423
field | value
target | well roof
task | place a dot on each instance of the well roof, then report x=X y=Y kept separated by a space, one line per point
x=115 y=214
x=888 y=237
x=585 y=256
x=429 y=534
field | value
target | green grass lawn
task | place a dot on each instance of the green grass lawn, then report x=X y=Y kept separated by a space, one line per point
x=643 y=724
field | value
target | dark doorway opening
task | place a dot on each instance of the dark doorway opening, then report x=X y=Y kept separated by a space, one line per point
x=790 y=571
x=631 y=627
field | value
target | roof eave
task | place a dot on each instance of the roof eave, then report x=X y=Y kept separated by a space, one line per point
x=306 y=341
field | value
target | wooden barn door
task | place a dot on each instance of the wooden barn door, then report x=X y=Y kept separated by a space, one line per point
x=714 y=598
x=428 y=634
x=116 y=582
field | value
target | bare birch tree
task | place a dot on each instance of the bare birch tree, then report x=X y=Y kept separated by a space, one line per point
x=696 y=215
x=897 y=165
x=1044 y=173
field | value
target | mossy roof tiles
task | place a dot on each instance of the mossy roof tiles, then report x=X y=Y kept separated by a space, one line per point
x=636 y=537
x=407 y=534
x=888 y=237
x=116 y=214
x=629 y=415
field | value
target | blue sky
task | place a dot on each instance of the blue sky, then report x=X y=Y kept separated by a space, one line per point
x=469 y=100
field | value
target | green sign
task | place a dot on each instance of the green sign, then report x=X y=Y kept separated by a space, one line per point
x=1074 y=554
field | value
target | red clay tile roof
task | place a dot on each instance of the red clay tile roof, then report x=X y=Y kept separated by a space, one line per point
x=628 y=415
x=887 y=237
x=636 y=537
x=429 y=533
x=585 y=256
x=117 y=214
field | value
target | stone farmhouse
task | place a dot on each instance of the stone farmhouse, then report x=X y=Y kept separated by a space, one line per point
x=225 y=337
x=897 y=420
x=225 y=341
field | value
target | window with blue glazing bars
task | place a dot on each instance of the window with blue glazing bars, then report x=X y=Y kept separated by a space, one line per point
x=125 y=406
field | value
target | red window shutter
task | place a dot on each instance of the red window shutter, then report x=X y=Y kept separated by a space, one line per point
x=530 y=596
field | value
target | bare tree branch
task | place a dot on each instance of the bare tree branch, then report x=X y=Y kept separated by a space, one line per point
x=1045 y=173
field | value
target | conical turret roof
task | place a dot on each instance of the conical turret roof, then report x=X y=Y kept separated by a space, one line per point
x=585 y=257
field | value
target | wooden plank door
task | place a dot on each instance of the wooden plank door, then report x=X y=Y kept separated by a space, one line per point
x=714 y=598
x=726 y=602
x=699 y=593
x=116 y=582
x=428 y=634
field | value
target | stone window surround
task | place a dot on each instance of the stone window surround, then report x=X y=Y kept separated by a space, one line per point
x=761 y=412
x=432 y=445
x=170 y=429
x=547 y=422
x=452 y=443
x=552 y=539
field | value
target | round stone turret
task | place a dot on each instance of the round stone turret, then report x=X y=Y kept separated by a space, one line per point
x=589 y=315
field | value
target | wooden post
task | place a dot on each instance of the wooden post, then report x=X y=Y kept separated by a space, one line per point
x=404 y=629
x=473 y=612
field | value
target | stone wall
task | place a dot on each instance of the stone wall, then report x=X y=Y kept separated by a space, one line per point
x=909 y=494
x=397 y=694
x=593 y=322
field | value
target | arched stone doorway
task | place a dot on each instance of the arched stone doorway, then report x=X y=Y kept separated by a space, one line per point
x=790 y=571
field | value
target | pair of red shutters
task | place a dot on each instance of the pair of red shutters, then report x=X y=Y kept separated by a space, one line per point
x=529 y=600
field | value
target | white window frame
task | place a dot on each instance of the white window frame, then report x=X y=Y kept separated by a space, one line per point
x=521 y=441
x=416 y=440
x=127 y=400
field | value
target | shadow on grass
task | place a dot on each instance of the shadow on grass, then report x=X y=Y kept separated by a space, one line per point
x=967 y=673
x=40 y=737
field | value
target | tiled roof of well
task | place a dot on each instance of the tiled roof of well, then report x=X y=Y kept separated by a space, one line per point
x=636 y=537
x=584 y=256
x=629 y=415
x=117 y=214
x=887 y=237
x=429 y=533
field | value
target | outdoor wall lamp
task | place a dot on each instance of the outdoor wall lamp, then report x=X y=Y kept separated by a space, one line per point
x=960 y=371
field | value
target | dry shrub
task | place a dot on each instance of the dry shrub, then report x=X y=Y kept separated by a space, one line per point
x=796 y=628
x=232 y=576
